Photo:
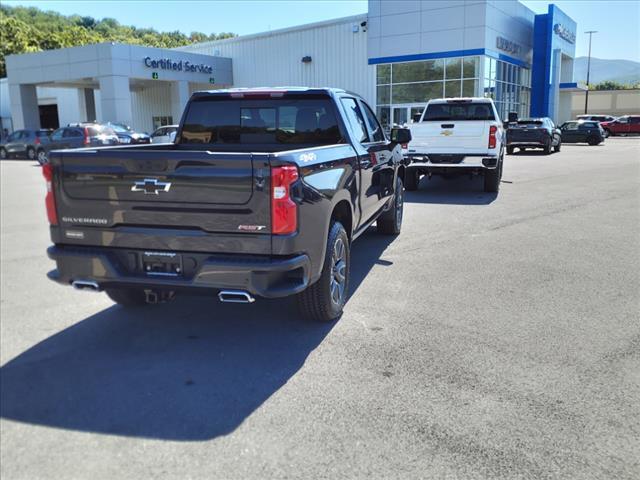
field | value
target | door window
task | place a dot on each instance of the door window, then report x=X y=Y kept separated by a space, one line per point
x=634 y=120
x=374 y=126
x=14 y=136
x=570 y=126
x=71 y=133
x=355 y=119
x=57 y=135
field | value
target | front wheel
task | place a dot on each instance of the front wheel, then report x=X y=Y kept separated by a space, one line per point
x=31 y=153
x=390 y=222
x=324 y=300
x=42 y=157
x=557 y=147
x=3 y=154
x=607 y=133
x=510 y=150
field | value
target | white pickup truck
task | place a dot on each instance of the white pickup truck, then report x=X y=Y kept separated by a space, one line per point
x=457 y=136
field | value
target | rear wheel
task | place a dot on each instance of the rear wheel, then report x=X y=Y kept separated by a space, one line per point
x=593 y=141
x=411 y=180
x=324 y=300
x=547 y=147
x=390 y=222
x=510 y=150
x=557 y=147
x=127 y=297
x=3 y=154
x=492 y=178
x=31 y=153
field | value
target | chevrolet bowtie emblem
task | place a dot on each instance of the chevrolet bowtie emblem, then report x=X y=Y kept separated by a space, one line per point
x=446 y=133
x=150 y=186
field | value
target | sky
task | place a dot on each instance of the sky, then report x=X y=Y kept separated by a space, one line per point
x=617 y=21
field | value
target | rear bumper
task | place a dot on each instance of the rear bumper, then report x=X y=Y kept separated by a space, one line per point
x=260 y=275
x=460 y=161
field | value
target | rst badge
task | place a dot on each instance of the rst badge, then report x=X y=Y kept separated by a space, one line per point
x=151 y=186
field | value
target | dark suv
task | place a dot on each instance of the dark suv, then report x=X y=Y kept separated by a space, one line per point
x=31 y=144
x=582 y=132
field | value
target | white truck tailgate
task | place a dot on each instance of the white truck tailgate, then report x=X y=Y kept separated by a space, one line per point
x=449 y=136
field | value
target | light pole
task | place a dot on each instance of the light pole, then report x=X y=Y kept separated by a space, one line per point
x=586 y=97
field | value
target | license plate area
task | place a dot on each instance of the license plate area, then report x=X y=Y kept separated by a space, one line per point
x=162 y=264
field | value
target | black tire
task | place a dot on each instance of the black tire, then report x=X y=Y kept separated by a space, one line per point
x=324 y=300
x=31 y=153
x=593 y=141
x=492 y=178
x=510 y=150
x=609 y=133
x=557 y=147
x=411 y=180
x=42 y=157
x=547 y=147
x=127 y=297
x=390 y=222
x=3 y=154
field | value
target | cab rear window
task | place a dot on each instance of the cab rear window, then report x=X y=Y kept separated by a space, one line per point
x=286 y=120
x=458 y=111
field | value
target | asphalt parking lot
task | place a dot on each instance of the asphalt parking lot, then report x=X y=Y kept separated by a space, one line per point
x=496 y=337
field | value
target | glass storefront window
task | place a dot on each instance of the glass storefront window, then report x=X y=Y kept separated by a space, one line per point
x=383 y=114
x=453 y=68
x=383 y=94
x=452 y=88
x=469 y=88
x=470 y=67
x=383 y=74
x=416 y=92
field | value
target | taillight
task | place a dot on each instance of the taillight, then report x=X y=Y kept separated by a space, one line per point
x=284 y=211
x=37 y=141
x=86 y=136
x=50 y=201
x=492 y=136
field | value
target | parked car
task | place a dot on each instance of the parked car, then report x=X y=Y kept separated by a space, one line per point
x=582 y=132
x=262 y=195
x=30 y=144
x=127 y=135
x=82 y=135
x=534 y=133
x=597 y=118
x=165 y=134
x=626 y=125
x=457 y=136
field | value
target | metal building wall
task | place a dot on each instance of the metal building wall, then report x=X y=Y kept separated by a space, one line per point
x=149 y=101
x=338 y=57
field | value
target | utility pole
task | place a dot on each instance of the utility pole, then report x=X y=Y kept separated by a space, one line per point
x=586 y=97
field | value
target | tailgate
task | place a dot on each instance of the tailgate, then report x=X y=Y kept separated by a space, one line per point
x=449 y=136
x=189 y=190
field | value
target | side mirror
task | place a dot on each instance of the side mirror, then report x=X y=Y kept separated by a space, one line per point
x=400 y=135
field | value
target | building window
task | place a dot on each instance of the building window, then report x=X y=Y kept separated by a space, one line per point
x=508 y=85
x=161 y=121
x=403 y=89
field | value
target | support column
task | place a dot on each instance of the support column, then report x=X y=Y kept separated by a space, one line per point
x=24 y=106
x=115 y=99
x=179 y=98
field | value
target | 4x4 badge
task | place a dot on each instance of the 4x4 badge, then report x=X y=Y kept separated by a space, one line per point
x=150 y=186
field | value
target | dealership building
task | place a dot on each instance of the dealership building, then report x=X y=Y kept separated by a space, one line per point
x=397 y=56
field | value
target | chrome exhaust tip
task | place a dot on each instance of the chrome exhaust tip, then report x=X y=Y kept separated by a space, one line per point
x=235 y=296
x=86 y=285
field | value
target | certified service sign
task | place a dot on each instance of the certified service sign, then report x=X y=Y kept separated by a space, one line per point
x=179 y=66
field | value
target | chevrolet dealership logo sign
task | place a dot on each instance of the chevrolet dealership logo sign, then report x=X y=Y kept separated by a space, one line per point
x=508 y=46
x=564 y=33
x=180 y=66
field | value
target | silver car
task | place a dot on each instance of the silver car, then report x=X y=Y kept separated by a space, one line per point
x=30 y=144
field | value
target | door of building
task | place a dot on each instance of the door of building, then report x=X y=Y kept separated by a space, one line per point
x=407 y=114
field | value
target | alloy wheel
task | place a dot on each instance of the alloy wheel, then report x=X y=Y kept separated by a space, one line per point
x=338 y=272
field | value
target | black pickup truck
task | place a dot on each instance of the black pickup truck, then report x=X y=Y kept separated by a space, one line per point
x=261 y=194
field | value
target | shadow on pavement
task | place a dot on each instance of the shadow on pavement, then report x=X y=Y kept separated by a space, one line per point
x=193 y=369
x=458 y=190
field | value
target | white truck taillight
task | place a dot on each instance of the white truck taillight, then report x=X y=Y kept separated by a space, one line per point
x=284 y=211
x=50 y=200
x=492 y=136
